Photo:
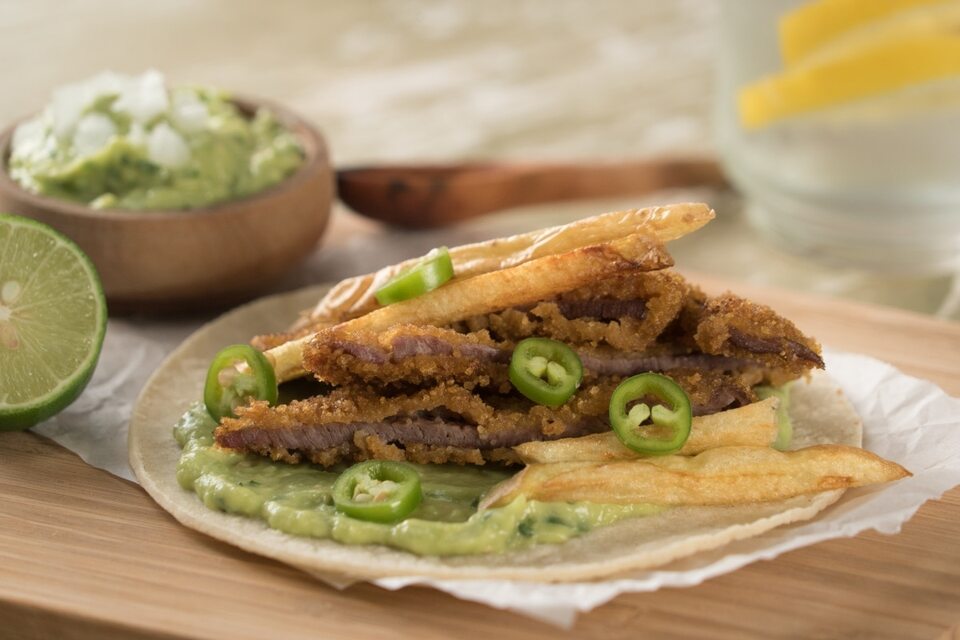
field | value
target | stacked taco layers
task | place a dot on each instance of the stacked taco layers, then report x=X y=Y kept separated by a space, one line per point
x=426 y=379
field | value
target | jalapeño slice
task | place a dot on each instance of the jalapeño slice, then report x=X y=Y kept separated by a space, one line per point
x=378 y=491
x=237 y=375
x=651 y=414
x=545 y=371
x=435 y=269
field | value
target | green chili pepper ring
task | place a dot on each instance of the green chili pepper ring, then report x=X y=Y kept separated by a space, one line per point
x=378 y=491
x=629 y=411
x=227 y=387
x=435 y=269
x=545 y=371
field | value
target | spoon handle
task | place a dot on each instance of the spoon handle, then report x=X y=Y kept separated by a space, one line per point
x=550 y=183
x=424 y=196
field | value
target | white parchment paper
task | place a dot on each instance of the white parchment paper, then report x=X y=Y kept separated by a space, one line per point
x=908 y=420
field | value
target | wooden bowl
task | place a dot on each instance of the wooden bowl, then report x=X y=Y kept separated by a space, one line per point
x=159 y=261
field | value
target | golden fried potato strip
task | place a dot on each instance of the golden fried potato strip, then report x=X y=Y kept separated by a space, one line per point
x=515 y=286
x=751 y=425
x=354 y=297
x=724 y=476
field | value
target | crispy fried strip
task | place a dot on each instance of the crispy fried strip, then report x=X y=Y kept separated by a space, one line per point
x=360 y=404
x=506 y=419
x=498 y=421
x=724 y=476
x=661 y=294
x=735 y=327
x=515 y=286
x=354 y=296
x=752 y=425
x=409 y=354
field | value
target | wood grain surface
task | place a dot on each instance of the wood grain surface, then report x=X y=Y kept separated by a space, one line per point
x=86 y=555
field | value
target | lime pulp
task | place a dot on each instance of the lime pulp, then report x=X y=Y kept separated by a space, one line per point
x=53 y=317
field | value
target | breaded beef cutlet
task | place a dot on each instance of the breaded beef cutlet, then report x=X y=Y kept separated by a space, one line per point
x=437 y=394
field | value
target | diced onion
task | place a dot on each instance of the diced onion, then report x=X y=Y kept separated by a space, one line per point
x=166 y=147
x=92 y=133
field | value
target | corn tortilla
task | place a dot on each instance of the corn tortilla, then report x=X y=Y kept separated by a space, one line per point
x=820 y=412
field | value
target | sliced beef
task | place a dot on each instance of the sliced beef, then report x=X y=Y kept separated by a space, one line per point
x=606 y=308
x=734 y=327
x=444 y=423
x=398 y=431
x=610 y=363
x=774 y=345
x=442 y=394
x=422 y=355
x=625 y=312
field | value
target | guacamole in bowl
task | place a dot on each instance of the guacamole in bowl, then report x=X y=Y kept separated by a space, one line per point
x=132 y=142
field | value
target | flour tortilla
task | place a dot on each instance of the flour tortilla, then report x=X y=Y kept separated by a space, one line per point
x=820 y=415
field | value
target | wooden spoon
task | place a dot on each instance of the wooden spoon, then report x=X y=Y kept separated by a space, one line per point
x=424 y=196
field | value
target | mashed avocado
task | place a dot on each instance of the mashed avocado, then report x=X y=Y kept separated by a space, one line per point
x=784 y=426
x=119 y=142
x=297 y=499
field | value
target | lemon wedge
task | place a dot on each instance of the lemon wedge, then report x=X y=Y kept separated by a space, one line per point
x=876 y=59
x=810 y=26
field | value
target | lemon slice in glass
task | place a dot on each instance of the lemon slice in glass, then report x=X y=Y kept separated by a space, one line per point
x=52 y=321
x=814 y=24
x=902 y=51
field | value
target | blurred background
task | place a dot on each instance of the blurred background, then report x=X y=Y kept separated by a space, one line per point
x=412 y=80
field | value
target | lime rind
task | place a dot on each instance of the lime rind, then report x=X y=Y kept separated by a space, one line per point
x=75 y=310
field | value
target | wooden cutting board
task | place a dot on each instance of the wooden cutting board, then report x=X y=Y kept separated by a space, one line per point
x=86 y=555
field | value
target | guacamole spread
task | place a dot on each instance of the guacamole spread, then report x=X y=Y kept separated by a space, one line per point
x=297 y=499
x=119 y=142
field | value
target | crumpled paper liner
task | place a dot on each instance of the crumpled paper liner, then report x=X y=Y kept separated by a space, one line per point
x=908 y=420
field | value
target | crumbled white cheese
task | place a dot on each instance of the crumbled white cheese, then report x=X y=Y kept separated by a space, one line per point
x=188 y=112
x=92 y=133
x=144 y=97
x=166 y=147
x=70 y=102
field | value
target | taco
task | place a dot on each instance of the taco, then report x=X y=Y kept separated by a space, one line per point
x=430 y=384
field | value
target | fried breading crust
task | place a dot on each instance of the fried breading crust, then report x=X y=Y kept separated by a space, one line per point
x=398 y=385
x=496 y=418
x=489 y=413
x=738 y=328
x=354 y=296
x=662 y=292
x=409 y=355
x=526 y=282
x=349 y=357
x=422 y=355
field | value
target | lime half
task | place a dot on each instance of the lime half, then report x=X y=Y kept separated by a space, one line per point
x=52 y=320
